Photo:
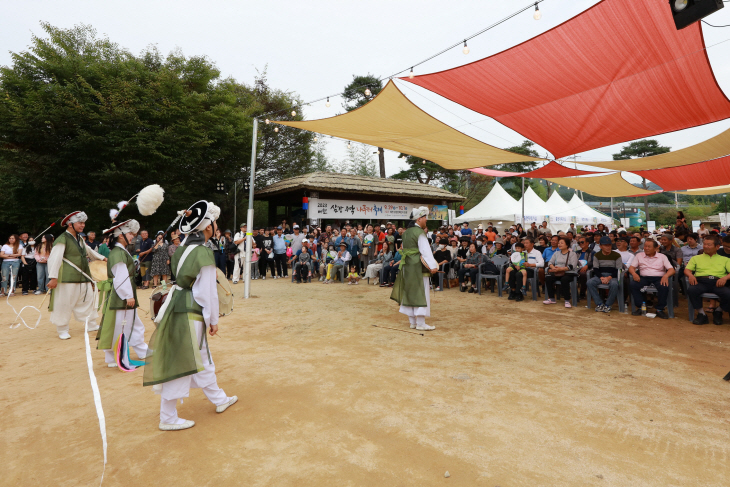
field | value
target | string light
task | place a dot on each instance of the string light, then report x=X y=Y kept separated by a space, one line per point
x=368 y=92
x=293 y=113
x=268 y=121
x=349 y=146
x=315 y=138
x=466 y=48
x=537 y=15
x=328 y=102
x=411 y=75
x=276 y=129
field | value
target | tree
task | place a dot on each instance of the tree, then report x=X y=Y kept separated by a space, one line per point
x=355 y=96
x=359 y=161
x=84 y=124
x=425 y=172
x=641 y=148
x=525 y=148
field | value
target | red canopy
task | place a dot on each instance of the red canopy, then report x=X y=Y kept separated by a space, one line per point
x=701 y=175
x=550 y=170
x=618 y=71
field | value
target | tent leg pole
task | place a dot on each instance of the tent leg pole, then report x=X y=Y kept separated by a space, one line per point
x=612 y=211
x=523 y=203
x=249 y=219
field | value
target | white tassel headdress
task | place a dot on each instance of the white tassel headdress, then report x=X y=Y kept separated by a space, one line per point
x=149 y=199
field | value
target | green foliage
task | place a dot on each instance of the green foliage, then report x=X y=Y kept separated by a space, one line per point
x=641 y=148
x=84 y=124
x=525 y=148
x=354 y=94
x=425 y=172
x=359 y=161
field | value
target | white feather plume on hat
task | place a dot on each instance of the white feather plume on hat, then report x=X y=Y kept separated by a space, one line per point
x=113 y=213
x=149 y=199
x=213 y=211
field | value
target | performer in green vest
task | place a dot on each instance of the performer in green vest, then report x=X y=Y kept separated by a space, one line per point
x=413 y=282
x=70 y=278
x=178 y=356
x=119 y=300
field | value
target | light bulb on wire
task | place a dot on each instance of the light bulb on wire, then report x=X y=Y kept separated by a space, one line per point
x=315 y=138
x=466 y=48
x=276 y=129
x=368 y=92
x=537 y=15
x=293 y=113
x=349 y=146
x=328 y=102
x=268 y=121
x=411 y=75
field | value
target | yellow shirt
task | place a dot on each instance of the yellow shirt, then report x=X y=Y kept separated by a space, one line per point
x=704 y=265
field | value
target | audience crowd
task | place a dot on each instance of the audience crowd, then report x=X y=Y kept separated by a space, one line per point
x=591 y=260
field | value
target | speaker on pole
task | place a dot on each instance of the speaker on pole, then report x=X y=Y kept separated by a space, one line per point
x=687 y=12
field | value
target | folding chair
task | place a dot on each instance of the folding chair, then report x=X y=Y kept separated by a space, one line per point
x=619 y=296
x=444 y=268
x=703 y=295
x=501 y=262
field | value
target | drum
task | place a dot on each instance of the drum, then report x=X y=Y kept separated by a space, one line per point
x=225 y=294
x=98 y=270
x=156 y=299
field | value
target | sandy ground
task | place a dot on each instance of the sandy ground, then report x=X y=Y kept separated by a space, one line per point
x=548 y=396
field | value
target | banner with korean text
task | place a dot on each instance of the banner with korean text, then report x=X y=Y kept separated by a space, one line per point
x=367 y=210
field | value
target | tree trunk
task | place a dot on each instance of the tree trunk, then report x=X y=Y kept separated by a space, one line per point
x=646 y=203
x=381 y=158
x=547 y=183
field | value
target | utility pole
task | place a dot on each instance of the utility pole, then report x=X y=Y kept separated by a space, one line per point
x=249 y=219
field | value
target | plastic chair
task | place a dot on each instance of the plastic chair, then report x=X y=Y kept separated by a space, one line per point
x=651 y=289
x=501 y=262
x=573 y=288
x=619 y=296
x=445 y=271
x=703 y=295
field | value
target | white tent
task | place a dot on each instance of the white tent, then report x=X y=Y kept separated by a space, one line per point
x=536 y=210
x=585 y=215
x=561 y=213
x=497 y=206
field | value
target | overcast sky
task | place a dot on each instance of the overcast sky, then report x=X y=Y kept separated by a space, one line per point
x=314 y=48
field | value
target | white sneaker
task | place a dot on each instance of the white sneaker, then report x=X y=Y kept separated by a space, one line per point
x=223 y=407
x=37 y=292
x=112 y=365
x=350 y=283
x=413 y=325
x=263 y=278
x=356 y=283
x=64 y=335
x=176 y=427
x=425 y=327
x=94 y=328
x=235 y=282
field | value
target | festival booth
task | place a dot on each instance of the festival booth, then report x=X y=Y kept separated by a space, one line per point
x=585 y=215
x=536 y=210
x=321 y=198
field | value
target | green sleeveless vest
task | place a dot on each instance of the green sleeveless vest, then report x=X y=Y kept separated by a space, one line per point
x=116 y=256
x=175 y=351
x=408 y=289
x=75 y=252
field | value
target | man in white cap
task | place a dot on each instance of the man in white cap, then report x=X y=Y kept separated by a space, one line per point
x=178 y=356
x=70 y=278
x=119 y=301
x=412 y=285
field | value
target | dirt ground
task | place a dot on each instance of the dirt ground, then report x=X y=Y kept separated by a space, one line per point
x=546 y=396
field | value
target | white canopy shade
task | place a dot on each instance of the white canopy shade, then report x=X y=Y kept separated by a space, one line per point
x=497 y=206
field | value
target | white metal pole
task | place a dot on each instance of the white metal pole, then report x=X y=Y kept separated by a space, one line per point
x=249 y=217
x=612 y=210
x=235 y=203
x=676 y=201
x=523 y=203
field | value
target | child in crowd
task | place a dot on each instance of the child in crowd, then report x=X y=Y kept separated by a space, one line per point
x=518 y=267
x=353 y=277
x=330 y=262
x=255 y=252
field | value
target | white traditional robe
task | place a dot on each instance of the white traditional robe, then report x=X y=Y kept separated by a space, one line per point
x=135 y=335
x=427 y=255
x=205 y=294
x=71 y=297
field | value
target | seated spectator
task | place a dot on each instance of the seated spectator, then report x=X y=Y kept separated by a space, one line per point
x=622 y=245
x=543 y=242
x=514 y=270
x=385 y=255
x=390 y=270
x=635 y=244
x=708 y=272
x=691 y=249
x=339 y=260
x=353 y=277
x=442 y=257
x=670 y=249
x=533 y=262
x=650 y=267
x=470 y=267
x=302 y=262
x=725 y=250
x=562 y=261
x=606 y=266
x=585 y=263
